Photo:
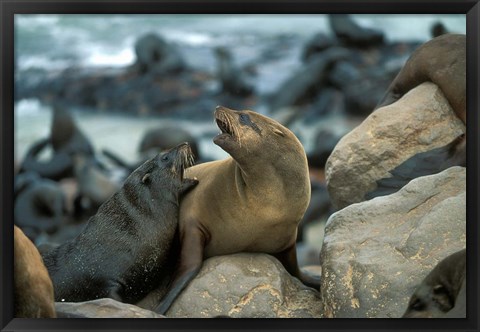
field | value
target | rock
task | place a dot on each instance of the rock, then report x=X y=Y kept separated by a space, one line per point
x=102 y=308
x=307 y=255
x=323 y=144
x=246 y=285
x=343 y=74
x=317 y=44
x=305 y=83
x=420 y=121
x=375 y=253
x=319 y=208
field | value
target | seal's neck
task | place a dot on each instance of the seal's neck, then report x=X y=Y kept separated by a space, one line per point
x=288 y=177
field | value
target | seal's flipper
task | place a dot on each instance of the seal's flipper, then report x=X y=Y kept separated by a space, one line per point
x=114 y=292
x=187 y=185
x=421 y=164
x=58 y=167
x=191 y=260
x=118 y=160
x=288 y=258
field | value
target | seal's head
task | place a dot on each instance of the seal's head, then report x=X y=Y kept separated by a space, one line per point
x=429 y=302
x=171 y=163
x=161 y=174
x=249 y=134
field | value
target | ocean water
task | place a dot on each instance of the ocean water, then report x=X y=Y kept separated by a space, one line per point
x=55 y=42
x=59 y=41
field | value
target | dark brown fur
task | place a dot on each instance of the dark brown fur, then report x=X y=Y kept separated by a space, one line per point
x=123 y=249
x=442 y=290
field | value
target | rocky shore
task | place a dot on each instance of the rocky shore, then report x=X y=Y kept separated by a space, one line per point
x=376 y=225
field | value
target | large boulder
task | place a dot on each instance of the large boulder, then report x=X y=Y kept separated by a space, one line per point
x=102 y=308
x=420 y=121
x=376 y=253
x=246 y=286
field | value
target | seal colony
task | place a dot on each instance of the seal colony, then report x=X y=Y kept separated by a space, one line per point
x=249 y=202
x=121 y=252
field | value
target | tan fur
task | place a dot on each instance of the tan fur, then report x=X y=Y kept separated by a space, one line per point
x=32 y=285
x=254 y=200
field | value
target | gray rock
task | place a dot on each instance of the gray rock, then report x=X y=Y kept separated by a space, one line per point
x=375 y=253
x=420 y=121
x=246 y=285
x=102 y=308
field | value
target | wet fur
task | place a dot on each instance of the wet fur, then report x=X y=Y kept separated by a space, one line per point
x=121 y=252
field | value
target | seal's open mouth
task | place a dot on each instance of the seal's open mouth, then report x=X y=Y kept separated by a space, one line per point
x=224 y=127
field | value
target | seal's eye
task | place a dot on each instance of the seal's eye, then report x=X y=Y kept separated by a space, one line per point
x=165 y=157
x=244 y=119
x=146 y=178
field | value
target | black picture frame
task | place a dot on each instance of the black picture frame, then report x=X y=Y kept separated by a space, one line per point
x=11 y=7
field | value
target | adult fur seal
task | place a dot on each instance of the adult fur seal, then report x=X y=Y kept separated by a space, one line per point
x=250 y=202
x=94 y=184
x=33 y=289
x=442 y=61
x=442 y=292
x=40 y=206
x=65 y=140
x=121 y=252
x=233 y=79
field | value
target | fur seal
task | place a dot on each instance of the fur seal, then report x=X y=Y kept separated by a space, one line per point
x=122 y=250
x=40 y=206
x=154 y=141
x=249 y=202
x=233 y=79
x=156 y=56
x=33 y=289
x=65 y=139
x=352 y=34
x=441 y=290
x=167 y=137
x=442 y=61
x=94 y=185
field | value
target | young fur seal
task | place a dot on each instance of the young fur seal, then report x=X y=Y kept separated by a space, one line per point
x=33 y=290
x=442 y=292
x=122 y=250
x=250 y=202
